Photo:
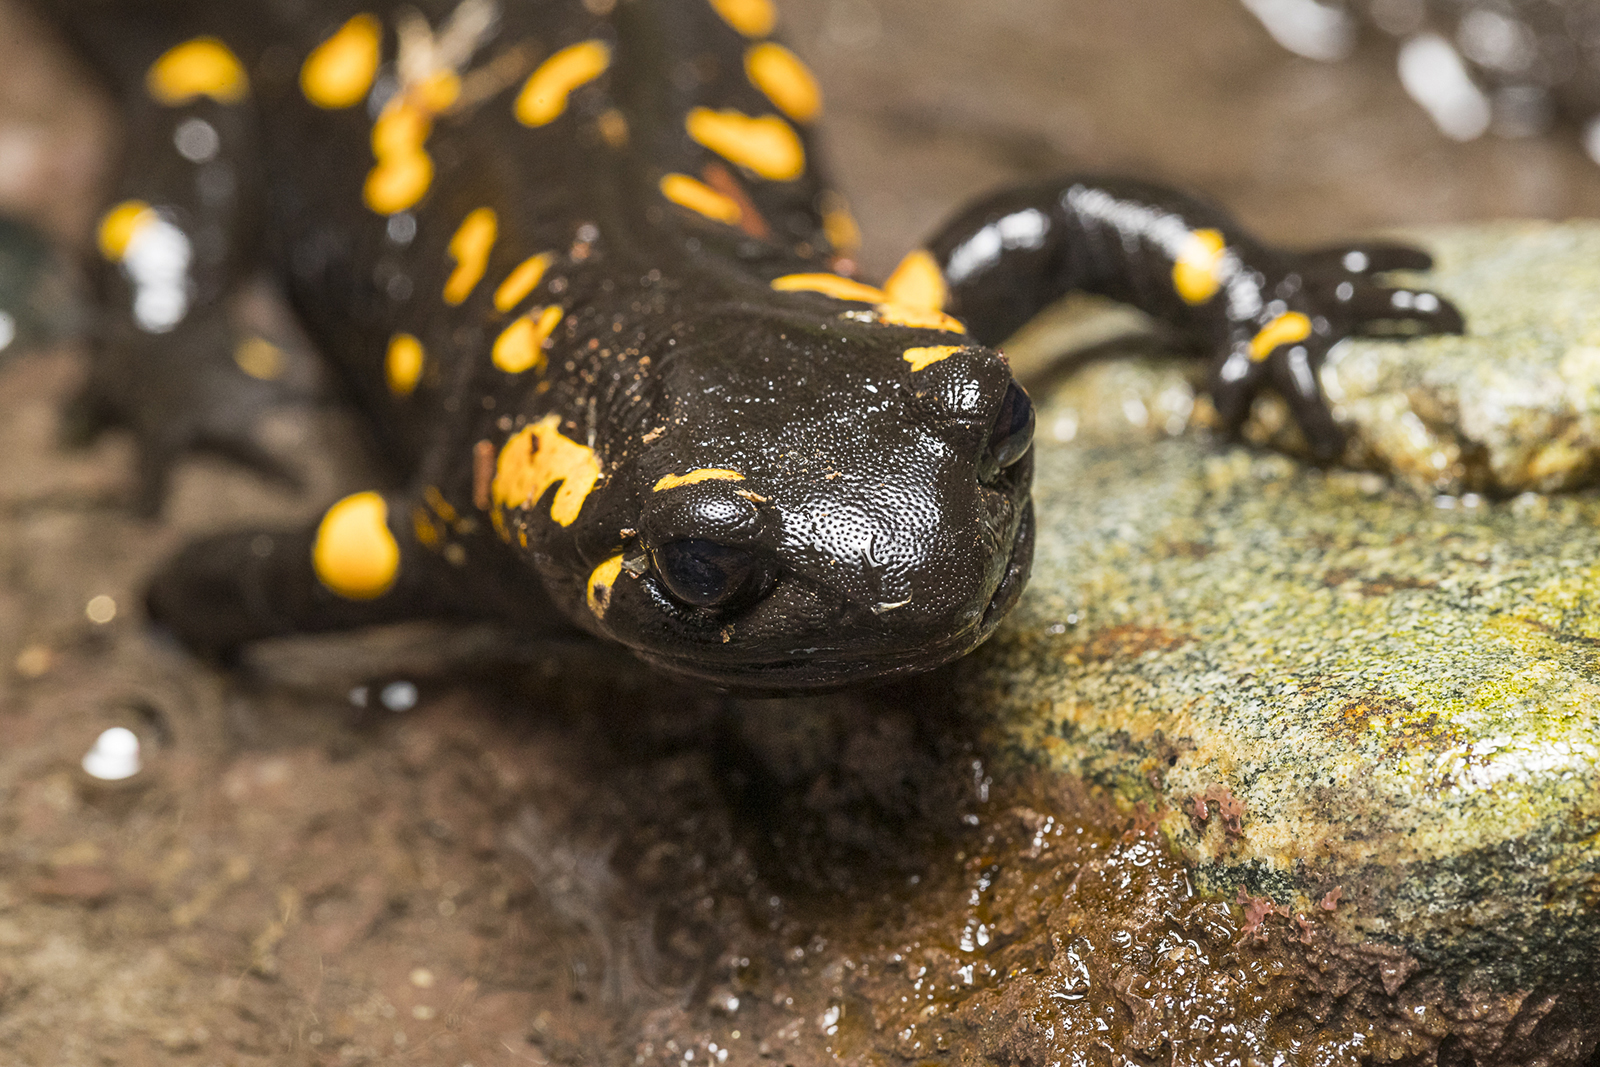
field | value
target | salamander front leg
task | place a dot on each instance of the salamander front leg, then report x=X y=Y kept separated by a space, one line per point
x=1264 y=316
x=370 y=560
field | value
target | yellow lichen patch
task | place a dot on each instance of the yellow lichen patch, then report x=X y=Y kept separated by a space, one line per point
x=538 y=457
x=917 y=283
x=1197 y=274
x=704 y=474
x=470 y=248
x=922 y=358
x=834 y=285
x=753 y=18
x=355 y=555
x=767 y=146
x=259 y=358
x=402 y=365
x=699 y=197
x=339 y=71
x=788 y=83
x=1286 y=329
x=544 y=95
x=520 y=346
x=522 y=281
x=601 y=579
x=201 y=67
x=118 y=226
x=613 y=126
x=918 y=318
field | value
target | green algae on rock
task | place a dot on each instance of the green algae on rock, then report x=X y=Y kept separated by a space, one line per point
x=1343 y=697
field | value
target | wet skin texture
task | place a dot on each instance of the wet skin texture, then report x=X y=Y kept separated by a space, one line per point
x=578 y=264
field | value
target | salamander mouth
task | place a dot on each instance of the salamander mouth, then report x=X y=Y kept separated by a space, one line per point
x=821 y=669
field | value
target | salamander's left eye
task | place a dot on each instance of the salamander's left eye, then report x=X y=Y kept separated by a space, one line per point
x=705 y=574
x=1012 y=434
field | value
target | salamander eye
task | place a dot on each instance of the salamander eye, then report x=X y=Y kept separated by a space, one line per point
x=1012 y=434
x=704 y=574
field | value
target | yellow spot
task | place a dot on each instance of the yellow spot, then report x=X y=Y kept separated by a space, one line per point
x=437 y=92
x=544 y=95
x=538 y=457
x=839 y=226
x=613 y=127
x=787 y=82
x=922 y=358
x=704 y=474
x=441 y=507
x=768 y=146
x=917 y=283
x=601 y=579
x=355 y=555
x=401 y=128
x=427 y=532
x=470 y=248
x=402 y=366
x=521 y=281
x=118 y=226
x=1197 y=274
x=918 y=318
x=259 y=358
x=201 y=67
x=1286 y=329
x=398 y=182
x=520 y=346
x=339 y=71
x=753 y=18
x=834 y=285
x=698 y=196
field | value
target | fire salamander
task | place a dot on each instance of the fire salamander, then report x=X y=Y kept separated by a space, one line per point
x=577 y=262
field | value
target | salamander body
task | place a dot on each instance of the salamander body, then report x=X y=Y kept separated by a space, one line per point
x=577 y=262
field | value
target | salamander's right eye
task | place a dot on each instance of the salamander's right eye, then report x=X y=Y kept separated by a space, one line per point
x=705 y=574
x=1012 y=433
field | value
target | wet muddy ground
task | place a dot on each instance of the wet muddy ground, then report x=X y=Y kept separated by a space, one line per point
x=551 y=856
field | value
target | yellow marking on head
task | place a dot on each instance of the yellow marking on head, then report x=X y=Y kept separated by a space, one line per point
x=201 y=67
x=1197 y=274
x=355 y=555
x=918 y=283
x=704 y=474
x=402 y=366
x=259 y=358
x=339 y=71
x=601 y=580
x=922 y=358
x=1286 y=329
x=613 y=126
x=834 y=285
x=520 y=346
x=768 y=146
x=522 y=281
x=119 y=225
x=839 y=226
x=544 y=95
x=918 y=318
x=699 y=197
x=788 y=83
x=538 y=457
x=753 y=18
x=470 y=248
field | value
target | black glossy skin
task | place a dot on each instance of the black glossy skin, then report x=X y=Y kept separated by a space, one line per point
x=882 y=523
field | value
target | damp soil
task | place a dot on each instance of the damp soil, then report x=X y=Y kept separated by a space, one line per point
x=441 y=847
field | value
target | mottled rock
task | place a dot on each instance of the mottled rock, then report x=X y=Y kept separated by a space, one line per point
x=1343 y=697
x=1512 y=406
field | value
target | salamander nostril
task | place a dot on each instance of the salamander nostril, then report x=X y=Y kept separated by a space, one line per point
x=1012 y=433
x=705 y=574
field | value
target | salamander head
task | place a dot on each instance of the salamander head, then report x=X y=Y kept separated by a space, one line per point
x=814 y=506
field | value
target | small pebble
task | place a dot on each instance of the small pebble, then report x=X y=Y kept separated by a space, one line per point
x=115 y=755
x=101 y=610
